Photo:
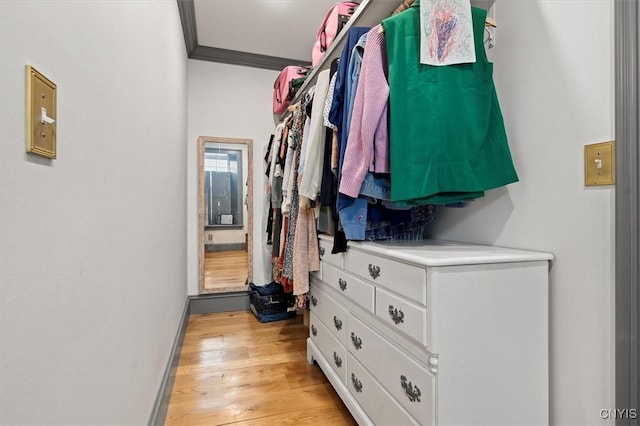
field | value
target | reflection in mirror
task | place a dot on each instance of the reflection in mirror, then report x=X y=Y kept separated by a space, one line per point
x=222 y=187
x=224 y=206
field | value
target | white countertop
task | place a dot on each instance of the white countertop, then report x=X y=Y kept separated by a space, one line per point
x=445 y=253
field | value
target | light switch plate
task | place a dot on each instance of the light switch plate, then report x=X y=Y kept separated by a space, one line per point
x=599 y=164
x=41 y=132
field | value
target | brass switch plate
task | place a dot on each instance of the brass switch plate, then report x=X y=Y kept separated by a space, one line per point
x=599 y=164
x=41 y=114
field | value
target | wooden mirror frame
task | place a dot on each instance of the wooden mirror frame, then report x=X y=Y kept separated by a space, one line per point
x=249 y=178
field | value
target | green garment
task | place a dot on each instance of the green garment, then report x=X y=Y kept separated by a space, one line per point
x=447 y=140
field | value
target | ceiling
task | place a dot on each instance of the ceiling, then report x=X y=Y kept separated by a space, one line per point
x=269 y=34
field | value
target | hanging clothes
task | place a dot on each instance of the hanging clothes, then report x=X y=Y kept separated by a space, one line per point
x=306 y=133
x=312 y=172
x=327 y=215
x=306 y=258
x=447 y=137
x=274 y=187
x=329 y=174
x=367 y=145
x=295 y=138
x=341 y=106
x=341 y=103
x=352 y=212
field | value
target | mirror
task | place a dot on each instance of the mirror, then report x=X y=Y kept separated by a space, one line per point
x=225 y=196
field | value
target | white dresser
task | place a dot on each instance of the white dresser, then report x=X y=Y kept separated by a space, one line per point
x=433 y=333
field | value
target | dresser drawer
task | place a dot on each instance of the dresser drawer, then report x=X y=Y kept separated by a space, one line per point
x=411 y=384
x=329 y=312
x=403 y=315
x=325 y=247
x=403 y=278
x=381 y=408
x=332 y=350
x=350 y=286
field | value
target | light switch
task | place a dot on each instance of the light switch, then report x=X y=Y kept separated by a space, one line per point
x=41 y=114
x=599 y=164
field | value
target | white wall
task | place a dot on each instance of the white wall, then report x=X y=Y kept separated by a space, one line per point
x=93 y=247
x=554 y=76
x=229 y=101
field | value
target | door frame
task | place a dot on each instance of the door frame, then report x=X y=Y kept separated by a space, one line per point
x=627 y=235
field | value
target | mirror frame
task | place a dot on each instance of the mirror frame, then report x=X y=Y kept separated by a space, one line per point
x=249 y=178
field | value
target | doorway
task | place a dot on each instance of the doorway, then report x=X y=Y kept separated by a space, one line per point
x=225 y=216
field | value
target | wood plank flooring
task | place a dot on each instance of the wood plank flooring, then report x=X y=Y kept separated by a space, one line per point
x=225 y=271
x=234 y=370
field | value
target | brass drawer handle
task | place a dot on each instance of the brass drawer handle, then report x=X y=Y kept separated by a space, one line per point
x=374 y=271
x=314 y=330
x=357 y=342
x=337 y=322
x=412 y=392
x=321 y=252
x=357 y=384
x=396 y=314
x=342 y=283
x=314 y=300
x=337 y=360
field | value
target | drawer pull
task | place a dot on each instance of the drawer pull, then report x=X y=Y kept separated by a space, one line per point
x=357 y=342
x=337 y=360
x=314 y=300
x=342 y=283
x=412 y=392
x=357 y=384
x=337 y=322
x=321 y=252
x=314 y=330
x=374 y=271
x=396 y=314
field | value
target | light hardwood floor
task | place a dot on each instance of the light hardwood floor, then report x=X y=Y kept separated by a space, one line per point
x=234 y=370
x=225 y=271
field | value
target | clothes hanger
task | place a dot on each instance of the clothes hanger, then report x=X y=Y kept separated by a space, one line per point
x=490 y=27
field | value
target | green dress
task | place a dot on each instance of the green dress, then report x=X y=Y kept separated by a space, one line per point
x=447 y=140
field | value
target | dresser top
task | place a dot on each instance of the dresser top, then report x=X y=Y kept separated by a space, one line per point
x=445 y=253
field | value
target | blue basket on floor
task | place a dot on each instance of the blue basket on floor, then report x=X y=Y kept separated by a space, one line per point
x=271 y=307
